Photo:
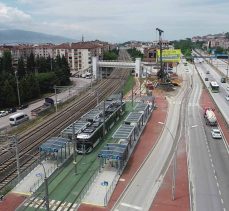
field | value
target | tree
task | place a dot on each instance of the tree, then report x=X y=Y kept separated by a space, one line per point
x=7 y=62
x=227 y=35
x=30 y=66
x=21 y=68
x=9 y=97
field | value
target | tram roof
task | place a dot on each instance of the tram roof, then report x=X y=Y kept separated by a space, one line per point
x=123 y=132
x=133 y=117
x=53 y=144
x=78 y=125
x=141 y=107
x=113 y=151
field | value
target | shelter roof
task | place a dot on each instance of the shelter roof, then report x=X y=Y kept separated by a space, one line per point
x=123 y=132
x=53 y=144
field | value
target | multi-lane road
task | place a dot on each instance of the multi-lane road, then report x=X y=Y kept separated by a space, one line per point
x=208 y=158
x=209 y=164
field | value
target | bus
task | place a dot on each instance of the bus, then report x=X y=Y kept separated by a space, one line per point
x=18 y=118
x=214 y=86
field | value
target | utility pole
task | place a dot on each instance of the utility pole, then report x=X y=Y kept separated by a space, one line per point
x=104 y=129
x=15 y=139
x=160 y=44
x=18 y=93
x=55 y=98
x=74 y=147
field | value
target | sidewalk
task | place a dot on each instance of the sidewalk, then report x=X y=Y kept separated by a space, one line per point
x=35 y=178
x=163 y=200
x=146 y=142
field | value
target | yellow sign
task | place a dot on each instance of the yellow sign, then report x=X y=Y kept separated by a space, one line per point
x=170 y=55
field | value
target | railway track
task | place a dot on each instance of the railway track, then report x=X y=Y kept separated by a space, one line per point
x=32 y=139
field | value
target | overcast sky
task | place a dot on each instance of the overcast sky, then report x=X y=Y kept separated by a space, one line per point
x=116 y=20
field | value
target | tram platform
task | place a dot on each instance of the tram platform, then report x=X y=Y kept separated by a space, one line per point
x=35 y=178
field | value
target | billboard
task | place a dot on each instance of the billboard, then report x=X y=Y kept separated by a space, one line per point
x=170 y=55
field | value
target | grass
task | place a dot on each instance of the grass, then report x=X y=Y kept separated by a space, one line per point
x=128 y=85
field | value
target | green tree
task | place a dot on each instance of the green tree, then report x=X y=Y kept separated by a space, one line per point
x=21 y=68
x=227 y=35
x=9 y=97
x=30 y=65
x=111 y=55
x=7 y=62
x=47 y=81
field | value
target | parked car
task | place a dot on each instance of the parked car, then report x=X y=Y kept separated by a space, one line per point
x=207 y=72
x=223 y=80
x=12 y=110
x=216 y=133
x=23 y=106
x=206 y=79
x=227 y=97
x=228 y=88
x=3 y=113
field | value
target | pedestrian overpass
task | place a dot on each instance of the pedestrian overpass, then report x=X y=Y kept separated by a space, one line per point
x=96 y=64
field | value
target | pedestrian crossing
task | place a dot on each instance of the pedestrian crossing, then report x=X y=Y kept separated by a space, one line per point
x=53 y=204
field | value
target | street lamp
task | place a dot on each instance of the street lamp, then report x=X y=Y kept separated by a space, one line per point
x=174 y=163
x=45 y=182
x=18 y=93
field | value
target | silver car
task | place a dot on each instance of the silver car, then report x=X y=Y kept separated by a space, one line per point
x=216 y=133
x=3 y=113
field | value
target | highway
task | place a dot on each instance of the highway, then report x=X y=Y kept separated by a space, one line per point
x=143 y=188
x=208 y=158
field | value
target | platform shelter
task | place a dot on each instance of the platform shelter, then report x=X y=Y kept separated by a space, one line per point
x=115 y=153
x=57 y=148
x=136 y=119
x=145 y=108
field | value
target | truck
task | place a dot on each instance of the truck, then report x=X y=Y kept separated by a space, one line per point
x=210 y=117
x=47 y=104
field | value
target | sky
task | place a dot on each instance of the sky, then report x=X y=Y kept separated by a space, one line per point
x=117 y=20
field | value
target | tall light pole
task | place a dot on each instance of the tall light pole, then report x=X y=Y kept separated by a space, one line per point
x=18 y=93
x=174 y=163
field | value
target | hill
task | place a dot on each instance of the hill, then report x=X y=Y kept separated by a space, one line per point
x=15 y=36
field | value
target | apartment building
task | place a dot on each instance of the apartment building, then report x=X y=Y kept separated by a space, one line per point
x=43 y=50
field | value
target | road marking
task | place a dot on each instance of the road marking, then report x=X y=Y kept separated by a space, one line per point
x=217 y=184
x=131 y=206
x=212 y=165
x=219 y=192
x=222 y=201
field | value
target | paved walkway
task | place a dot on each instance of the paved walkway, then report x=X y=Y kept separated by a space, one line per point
x=35 y=178
x=163 y=200
x=145 y=144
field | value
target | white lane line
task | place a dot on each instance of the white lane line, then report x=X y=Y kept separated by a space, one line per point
x=213 y=165
x=222 y=201
x=131 y=206
x=215 y=178
x=217 y=184
x=219 y=192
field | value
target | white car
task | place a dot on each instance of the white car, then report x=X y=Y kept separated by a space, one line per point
x=3 y=113
x=227 y=97
x=228 y=88
x=216 y=133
